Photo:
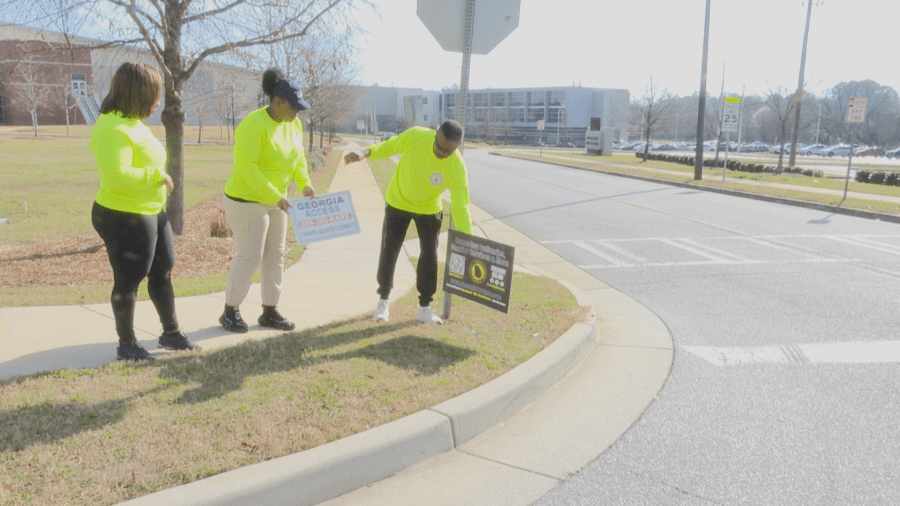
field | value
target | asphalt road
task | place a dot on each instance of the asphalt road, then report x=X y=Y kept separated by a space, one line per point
x=785 y=321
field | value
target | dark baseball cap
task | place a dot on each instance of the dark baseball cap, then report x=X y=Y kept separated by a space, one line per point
x=291 y=92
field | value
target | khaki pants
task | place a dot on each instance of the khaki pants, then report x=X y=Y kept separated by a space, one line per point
x=259 y=235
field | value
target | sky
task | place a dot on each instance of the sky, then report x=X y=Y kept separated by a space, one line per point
x=625 y=43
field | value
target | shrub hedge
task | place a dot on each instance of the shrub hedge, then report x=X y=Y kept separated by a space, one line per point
x=732 y=164
x=862 y=176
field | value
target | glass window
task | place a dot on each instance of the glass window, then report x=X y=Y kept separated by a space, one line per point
x=537 y=98
x=557 y=97
x=535 y=115
x=517 y=98
x=517 y=115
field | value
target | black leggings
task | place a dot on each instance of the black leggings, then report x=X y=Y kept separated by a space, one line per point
x=138 y=246
x=393 y=232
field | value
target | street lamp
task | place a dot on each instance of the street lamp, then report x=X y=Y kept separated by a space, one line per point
x=818 y=122
x=560 y=117
x=799 y=95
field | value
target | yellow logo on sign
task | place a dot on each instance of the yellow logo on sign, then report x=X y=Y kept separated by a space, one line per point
x=478 y=271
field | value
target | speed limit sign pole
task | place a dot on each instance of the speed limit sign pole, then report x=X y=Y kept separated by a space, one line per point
x=731 y=112
x=856 y=114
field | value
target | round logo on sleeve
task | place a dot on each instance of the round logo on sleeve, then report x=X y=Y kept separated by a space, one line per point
x=436 y=178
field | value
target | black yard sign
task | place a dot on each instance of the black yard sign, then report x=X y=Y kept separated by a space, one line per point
x=479 y=270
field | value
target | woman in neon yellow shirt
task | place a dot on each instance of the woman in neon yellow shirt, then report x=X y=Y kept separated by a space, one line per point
x=128 y=211
x=268 y=153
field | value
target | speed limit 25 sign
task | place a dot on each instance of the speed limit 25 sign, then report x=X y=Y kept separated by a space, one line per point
x=731 y=113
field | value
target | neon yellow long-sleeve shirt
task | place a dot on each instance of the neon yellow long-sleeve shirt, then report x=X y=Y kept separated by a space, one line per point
x=131 y=162
x=267 y=155
x=421 y=177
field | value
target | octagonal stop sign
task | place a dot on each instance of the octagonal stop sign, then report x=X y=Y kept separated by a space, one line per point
x=446 y=19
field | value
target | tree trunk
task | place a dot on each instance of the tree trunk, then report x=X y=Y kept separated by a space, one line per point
x=173 y=117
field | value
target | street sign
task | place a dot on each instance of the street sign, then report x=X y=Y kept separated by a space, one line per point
x=856 y=109
x=731 y=114
x=540 y=124
x=446 y=20
x=360 y=124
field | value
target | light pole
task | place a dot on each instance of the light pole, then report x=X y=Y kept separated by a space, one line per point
x=701 y=110
x=818 y=122
x=799 y=95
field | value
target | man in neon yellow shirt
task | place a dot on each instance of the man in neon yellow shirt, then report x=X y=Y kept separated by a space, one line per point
x=431 y=163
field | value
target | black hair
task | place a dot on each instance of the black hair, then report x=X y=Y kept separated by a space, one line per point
x=270 y=79
x=452 y=130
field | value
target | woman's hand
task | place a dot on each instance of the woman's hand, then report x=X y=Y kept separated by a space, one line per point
x=310 y=192
x=169 y=183
x=284 y=204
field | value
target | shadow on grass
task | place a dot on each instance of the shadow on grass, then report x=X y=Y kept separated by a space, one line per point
x=47 y=422
x=226 y=370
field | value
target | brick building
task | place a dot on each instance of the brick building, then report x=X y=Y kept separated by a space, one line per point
x=51 y=75
x=43 y=77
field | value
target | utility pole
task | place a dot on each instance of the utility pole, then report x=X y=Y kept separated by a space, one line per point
x=701 y=113
x=818 y=122
x=799 y=95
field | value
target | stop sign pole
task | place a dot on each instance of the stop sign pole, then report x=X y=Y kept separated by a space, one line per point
x=499 y=17
x=461 y=108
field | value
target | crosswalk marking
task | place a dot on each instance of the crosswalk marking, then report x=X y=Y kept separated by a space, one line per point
x=728 y=250
x=877 y=352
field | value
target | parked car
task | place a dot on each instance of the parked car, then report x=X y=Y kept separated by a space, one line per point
x=628 y=145
x=892 y=153
x=754 y=147
x=812 y=149
x=387 y=135
x=835 y=151
x=662 y=147
x=868 y=151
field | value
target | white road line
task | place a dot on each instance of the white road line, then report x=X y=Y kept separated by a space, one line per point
x=877 y=352
x=865 y=243
x=687 y=247
x=627 y=254
x=609 y=258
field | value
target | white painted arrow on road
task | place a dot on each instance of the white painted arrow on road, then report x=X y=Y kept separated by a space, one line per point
x=879 y=352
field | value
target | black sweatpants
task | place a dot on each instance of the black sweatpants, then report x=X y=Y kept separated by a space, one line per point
x=138 y=246
x=396 y=223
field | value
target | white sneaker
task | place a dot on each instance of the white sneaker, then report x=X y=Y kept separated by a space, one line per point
x=382 y=311
x=426 y=315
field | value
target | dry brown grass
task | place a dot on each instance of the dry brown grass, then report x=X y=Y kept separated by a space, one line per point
x=101 y=436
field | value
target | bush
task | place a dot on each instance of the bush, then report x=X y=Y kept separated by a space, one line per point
x=892 y=179
x=862 y=176
x=877 y=178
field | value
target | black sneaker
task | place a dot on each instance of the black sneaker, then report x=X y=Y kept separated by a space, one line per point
x=273 y=319
x=176 y=341
x=233 y=321
x=133 y=351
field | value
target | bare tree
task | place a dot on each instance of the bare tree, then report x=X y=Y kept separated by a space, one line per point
x=782 y=104
x=182 y=34
x=654 y=106
x=30 y=88
x=65 y=99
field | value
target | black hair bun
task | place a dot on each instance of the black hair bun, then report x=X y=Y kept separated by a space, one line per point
x=270 y=78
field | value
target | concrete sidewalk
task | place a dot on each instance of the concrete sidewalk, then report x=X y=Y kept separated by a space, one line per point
x=334 y=280
x=507 y=442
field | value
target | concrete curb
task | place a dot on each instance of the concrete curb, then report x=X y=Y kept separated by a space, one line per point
x=859 y=213
x=339 y=467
